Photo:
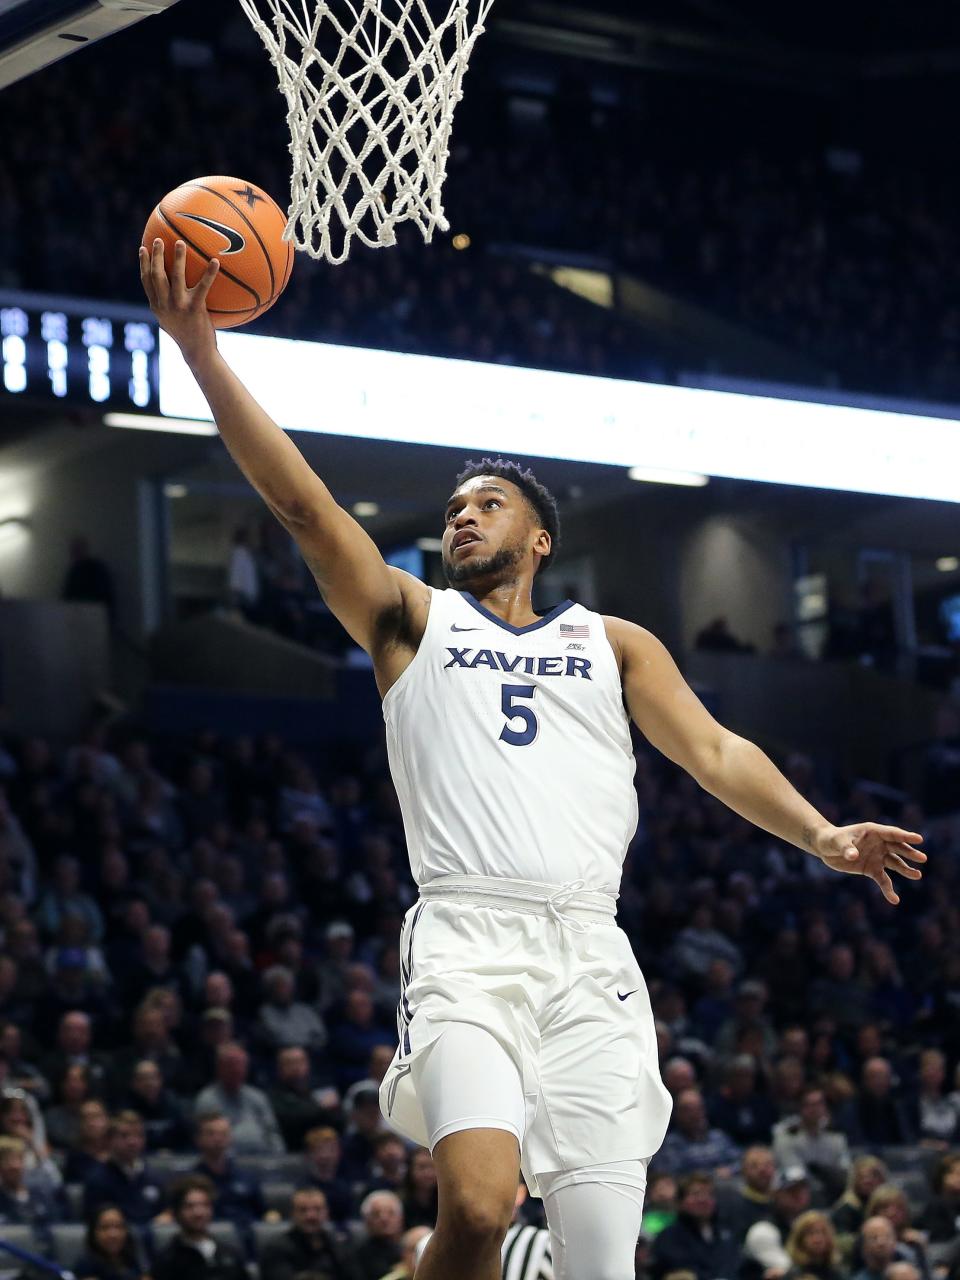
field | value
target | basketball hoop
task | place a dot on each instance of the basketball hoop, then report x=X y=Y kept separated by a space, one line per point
x=371 y=87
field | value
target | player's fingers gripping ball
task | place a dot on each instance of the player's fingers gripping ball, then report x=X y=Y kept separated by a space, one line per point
x=240 y=225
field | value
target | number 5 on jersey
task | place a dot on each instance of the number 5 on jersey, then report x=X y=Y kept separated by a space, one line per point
x=514 y=711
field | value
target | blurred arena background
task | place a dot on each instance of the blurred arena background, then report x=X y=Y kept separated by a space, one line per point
x=711 y=251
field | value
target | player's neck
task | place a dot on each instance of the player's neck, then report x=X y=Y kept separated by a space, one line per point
x=510 y=601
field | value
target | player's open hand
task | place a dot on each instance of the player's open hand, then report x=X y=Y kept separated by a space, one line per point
x=181 y=311
x=869 y=849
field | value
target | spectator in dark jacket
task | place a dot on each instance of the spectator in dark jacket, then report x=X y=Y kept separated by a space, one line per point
x=193 y=1254
x=92 y=1148
x=238 y=1195
x=162 y=1114
x=383 y=1219
x=297 y=1105
x=109 y=1250
x=941 y=1217
x=753 y=1199
x=322 y=1170
x=697 y=1241
x=738 y=1108
x=881 y=1119
x=310 y=1245
x=125 y=1180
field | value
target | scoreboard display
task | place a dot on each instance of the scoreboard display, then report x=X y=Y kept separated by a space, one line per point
x=58 y=350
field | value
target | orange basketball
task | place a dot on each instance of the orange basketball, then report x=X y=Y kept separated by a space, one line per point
x=234 y=221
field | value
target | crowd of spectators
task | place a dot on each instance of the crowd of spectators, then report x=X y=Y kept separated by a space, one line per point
x=847 y=255
x=198 y=977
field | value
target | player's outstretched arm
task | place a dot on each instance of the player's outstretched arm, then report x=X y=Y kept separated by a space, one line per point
x=736 y=771
x=368 y=597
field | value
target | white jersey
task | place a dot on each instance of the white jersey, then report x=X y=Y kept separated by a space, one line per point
x=510 y=748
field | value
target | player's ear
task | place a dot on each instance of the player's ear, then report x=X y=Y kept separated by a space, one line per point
x=542 y=542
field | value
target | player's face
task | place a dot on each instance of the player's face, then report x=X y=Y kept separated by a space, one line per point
x=488 y=531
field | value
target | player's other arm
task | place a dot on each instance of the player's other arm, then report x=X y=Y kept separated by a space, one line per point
x=367 y=596
x=736 y=771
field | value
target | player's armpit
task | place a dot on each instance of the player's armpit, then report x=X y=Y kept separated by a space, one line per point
x=661 y=703
x=376 y=604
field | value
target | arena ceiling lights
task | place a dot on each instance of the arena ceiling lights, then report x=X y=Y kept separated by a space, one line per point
x=413 y=399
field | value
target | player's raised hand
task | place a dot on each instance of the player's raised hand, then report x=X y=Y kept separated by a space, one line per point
x=180 y=311
x=871 y=849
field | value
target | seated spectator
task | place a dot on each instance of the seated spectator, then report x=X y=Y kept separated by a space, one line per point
x=322 y=1170
x=309 y=1245
x=238 y=1195
x=866 y=1174
x=151 y=1041
x=63 y=1118
x=659 y=1204
x=765 y=1244
x=355 y=1035
x=739 y=1109
x=787 y=1083
x=691 y=1144
x=382 y=1215
x=697 y=1242
x=20 y=1204
x=21 y=1074
x=125 y=1180
x=332 y=970
x=749 y=1015
x=20 y=1118
x=812 y=1248
x=193 y=1254
x=75 y=1048
x=152 y=967
x=92 y=1147
x=679 y=1074
x=839 y=994
x=881 y=1119
x=807 y=1139
x=753 y=1200
x=109 y=1250
x=878 y=1247
x=890 y=1201
x=932 y=1114
x=158 y=1108
x=941 y=1217
x=420 y=1190
x=283 y=1021
x=364 y=1126
x=298 y=1106
x=698 y=944
x=413 y=1241
x=64 y=897
x=254 y=1125
x=716 y=1004
x=388 y=1169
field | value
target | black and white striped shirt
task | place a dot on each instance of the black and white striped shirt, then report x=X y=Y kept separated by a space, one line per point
x=526 y=1254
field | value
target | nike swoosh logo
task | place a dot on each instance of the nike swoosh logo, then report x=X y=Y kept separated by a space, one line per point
x=628 y=995
x=234 y=239
x=454 y=627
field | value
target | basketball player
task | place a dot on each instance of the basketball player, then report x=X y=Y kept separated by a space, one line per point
x=526 y=1037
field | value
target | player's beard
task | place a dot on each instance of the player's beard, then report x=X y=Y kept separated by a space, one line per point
x=474 y=567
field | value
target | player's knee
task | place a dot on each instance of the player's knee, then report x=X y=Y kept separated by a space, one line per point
x=478 y=1219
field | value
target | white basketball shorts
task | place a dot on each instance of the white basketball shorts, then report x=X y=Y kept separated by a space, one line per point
x=547 y=976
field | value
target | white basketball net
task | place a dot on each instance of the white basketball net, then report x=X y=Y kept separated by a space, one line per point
x=370 y=113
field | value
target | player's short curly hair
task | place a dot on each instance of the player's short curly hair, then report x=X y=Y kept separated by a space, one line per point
x=539 y=497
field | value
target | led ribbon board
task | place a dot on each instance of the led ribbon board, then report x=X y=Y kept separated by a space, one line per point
x=383 y=395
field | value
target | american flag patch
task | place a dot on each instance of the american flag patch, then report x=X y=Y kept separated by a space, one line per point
x=575 y=631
